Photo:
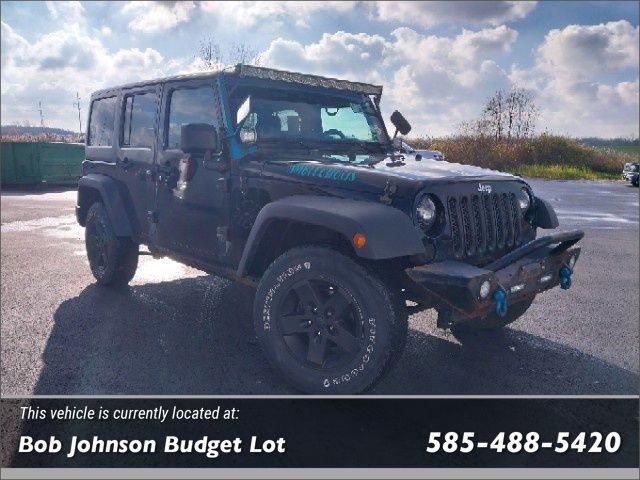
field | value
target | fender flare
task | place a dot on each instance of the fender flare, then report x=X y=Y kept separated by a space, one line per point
x=390 y=233
x=545 y=215
x=111 y=198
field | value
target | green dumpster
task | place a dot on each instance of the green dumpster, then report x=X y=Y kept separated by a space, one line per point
x=31 y=163
x=61 y=162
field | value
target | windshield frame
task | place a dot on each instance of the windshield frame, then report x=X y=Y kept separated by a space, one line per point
x=307 y=94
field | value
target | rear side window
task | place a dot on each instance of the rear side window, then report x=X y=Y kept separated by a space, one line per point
x=101 y=122
x=193 y=105
x=139 y=120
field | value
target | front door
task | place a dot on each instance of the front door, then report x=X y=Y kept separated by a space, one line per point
x=135 y=152
x=191 y=189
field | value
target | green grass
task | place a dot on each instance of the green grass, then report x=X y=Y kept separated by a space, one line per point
x=563 y=172
x=628 y=149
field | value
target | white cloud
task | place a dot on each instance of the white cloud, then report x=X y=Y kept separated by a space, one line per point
x=68 y=12
x=585 y=76
x=13 y=45
x=576 y=81
x=587 y=49
x=356 y=56
x=247 y=14
x=428 y=14
x=437 y=81
x=156 y=17
x=58 y=64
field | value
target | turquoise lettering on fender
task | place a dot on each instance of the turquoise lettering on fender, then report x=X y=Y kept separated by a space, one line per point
x=303 y=170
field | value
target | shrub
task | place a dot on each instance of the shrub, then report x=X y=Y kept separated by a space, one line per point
x=545 y=149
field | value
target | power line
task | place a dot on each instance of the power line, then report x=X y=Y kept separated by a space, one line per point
x=41 y=116
x=79 y=117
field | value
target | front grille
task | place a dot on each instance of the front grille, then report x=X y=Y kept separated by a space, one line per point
x=483 y=223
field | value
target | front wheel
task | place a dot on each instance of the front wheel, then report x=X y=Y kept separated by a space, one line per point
x=113 y=260
x=328 y=324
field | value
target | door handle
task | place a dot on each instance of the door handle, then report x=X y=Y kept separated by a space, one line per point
x=124 y=163
x=168 y=174
x=145 y=174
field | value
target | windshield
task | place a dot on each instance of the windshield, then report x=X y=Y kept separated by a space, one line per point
x=335 y=124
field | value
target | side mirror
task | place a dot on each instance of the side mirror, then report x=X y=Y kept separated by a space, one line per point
x=244 y=110
x=400 y=123
x=198 y=138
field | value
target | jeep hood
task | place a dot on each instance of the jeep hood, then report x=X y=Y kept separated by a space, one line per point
x=409 y=176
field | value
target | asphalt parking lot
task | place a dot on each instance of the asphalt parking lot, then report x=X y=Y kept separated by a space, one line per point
x=177 y=330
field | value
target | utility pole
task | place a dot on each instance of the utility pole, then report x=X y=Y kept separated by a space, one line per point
x=41 y=116
x=79 y=118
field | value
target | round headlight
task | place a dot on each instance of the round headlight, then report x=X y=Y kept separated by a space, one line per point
x=524 y=200
x=425 y=212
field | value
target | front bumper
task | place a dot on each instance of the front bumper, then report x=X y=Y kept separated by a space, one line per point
x=523 y=273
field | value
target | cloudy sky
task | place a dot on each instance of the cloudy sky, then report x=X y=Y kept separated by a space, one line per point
x=437 y=61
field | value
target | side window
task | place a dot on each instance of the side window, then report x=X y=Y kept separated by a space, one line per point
x=139 y=120
x=101 y=122
x=189 y=105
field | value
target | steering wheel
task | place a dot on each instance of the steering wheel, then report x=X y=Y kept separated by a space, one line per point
x=334 y=132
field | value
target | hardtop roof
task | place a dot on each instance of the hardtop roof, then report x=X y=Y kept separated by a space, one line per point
x=250 y=71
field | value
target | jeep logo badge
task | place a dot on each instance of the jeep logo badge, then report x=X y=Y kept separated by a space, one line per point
x=484 y=188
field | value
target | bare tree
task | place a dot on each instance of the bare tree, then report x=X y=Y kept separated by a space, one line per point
x=209 y=55
x=212 y=57
x=507 y=116
x=242 y=53
x=493 y=113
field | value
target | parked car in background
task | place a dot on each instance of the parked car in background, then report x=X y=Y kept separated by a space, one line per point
x=631 y=172
x=403 y=147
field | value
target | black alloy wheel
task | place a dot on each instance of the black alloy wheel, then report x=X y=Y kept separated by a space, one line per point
x=320 y=325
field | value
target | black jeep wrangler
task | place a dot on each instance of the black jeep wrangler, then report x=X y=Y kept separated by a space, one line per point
x=289 y=182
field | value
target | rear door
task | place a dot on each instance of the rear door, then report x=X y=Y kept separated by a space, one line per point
x=135 y=153
x=191 y=190
x=100 y=133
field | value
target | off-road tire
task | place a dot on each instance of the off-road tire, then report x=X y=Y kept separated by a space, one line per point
x=113 y=260
x=376 y=312
x=635 y=182
x=492 y=321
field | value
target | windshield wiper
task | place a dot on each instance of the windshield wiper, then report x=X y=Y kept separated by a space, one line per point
x=276 y=143
x=367 y=147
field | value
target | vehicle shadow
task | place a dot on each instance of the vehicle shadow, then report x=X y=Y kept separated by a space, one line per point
x=195 y=336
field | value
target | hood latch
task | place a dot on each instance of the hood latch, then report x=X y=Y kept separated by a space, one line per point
x=390 y=190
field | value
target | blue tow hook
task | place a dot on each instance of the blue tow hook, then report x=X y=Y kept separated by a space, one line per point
x=565 y=278
x=501 y=302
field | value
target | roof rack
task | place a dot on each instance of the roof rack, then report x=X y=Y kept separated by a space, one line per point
x=263 y=73
x=303 y=78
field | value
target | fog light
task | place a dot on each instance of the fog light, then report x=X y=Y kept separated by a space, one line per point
x=546 y=278
x=485 y=288
x=517 y=288
x=572 y=261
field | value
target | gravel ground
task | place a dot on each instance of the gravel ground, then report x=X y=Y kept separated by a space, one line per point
x=180 y=331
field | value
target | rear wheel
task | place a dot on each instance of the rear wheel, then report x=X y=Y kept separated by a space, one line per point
x=328 y=324
x=113 y=260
